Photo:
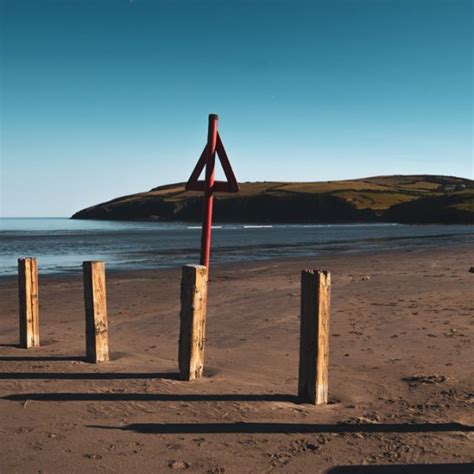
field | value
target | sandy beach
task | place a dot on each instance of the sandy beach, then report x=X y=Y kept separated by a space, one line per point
x=400 y=377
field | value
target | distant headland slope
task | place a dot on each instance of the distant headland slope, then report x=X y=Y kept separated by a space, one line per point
x=404 y=199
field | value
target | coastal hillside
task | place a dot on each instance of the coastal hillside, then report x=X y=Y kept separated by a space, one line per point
x=407 y=199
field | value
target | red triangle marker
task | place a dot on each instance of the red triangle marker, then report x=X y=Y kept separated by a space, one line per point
x=210 y=186
x=229 y=186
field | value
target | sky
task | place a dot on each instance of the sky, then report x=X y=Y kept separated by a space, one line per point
x=103 y=98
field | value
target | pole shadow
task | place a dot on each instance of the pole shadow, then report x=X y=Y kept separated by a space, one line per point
x=287 y=428
x=86 y=375
x=42 y=358
x=458 y=468
x=149 y=397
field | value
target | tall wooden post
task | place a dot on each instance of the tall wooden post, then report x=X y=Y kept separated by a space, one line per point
x=192 y=333
x=97 y=343
x=28 y=299
x=314 y=336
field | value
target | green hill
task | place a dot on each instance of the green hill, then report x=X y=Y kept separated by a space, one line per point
x=409 y=199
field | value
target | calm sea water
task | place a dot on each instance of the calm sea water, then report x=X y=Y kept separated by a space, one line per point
x=62 y=244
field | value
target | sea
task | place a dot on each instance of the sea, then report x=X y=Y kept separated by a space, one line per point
x=62 y=244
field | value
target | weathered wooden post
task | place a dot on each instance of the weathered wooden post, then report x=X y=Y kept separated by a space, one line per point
x=314 y=336
x=192 y=333
x=28 y=299
x=97 y=343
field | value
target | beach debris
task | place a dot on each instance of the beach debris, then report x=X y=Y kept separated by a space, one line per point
x=362 y=420
x=365 y=278
x=471 y=270
x=177 y=465
x=93 y=456
x=414 y=380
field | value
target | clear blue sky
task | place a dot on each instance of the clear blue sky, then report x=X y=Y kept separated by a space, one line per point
x=101 y=98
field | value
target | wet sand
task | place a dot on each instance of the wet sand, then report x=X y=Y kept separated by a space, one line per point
x=400 y=377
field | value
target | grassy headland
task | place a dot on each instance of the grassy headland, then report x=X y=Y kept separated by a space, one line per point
x=408 y=199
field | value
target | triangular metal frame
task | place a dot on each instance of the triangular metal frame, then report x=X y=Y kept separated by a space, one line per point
x=229 y=186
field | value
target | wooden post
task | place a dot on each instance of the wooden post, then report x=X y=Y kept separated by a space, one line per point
x=97 y=343
x=192 y=333
x=28 y=299
x=314 y=336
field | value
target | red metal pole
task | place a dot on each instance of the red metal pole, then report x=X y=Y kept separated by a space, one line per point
x=209 y=191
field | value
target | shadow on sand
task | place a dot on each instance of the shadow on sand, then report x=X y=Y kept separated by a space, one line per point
x=265 y=428
x=42 y=358
x=86 y=375
x=466 y=468
x=148 y=397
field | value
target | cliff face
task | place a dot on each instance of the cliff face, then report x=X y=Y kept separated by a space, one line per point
x=457 y=208
x=410 y=199
x=290 y=208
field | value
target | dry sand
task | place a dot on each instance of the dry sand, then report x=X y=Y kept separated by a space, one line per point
x=400 y=379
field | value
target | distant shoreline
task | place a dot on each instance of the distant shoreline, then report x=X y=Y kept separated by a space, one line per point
x=273 y=222
x=282 y=260
x=61 y=245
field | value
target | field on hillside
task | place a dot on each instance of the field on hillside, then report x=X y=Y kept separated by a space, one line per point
x=384 y=198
